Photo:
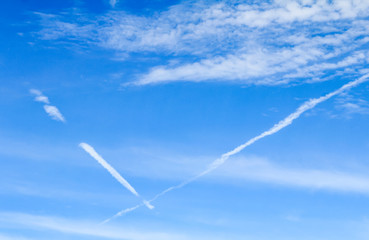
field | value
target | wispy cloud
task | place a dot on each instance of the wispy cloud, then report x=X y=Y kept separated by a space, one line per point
x=43 y=99
x=267 y=43
x=259 y=67
x=348 y=105
x=82 y=227
x=39 y=97
x=113 y=2
x=90 y=150
x=261 y=170
x=276 y=128
x=52 y=111
x=13 y=237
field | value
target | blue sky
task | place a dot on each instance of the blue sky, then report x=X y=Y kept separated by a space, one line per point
x=160 y=93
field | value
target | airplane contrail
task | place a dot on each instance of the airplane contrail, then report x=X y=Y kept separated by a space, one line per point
x=90 y=150
x=122 y=212
x=276 y=128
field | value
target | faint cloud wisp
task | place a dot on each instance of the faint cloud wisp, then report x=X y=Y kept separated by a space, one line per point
x=52 y=111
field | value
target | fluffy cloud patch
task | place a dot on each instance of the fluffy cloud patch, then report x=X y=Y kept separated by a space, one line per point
x=262 y=43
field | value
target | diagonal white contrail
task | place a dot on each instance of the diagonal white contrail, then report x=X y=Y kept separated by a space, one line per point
x=276 y=128
x=90 y=150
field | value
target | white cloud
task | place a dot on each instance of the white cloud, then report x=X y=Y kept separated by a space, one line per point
x=42 y=99
x=81 y=227
x=349 y=104
x=35 y=92
x=354 y=108
x=262 y=63
x=261 y=170
x=265 y=43
x=54 y=113
x=113 y=2
x=39 y=97
x=12 y=237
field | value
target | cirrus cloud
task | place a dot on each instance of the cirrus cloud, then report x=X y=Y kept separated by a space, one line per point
x=262 y=43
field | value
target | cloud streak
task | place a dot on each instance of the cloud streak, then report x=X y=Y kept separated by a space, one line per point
x=260 y=170
x=276 y=128
x=81 y=227
x=52 y=111
x=91 y=151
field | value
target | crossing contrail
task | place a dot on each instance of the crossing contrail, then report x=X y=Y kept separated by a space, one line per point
x=276 y=128
x=90 y=150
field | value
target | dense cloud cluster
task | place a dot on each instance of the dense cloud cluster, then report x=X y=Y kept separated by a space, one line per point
x=266 y=43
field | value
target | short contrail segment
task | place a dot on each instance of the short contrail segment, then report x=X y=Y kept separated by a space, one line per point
x=276 y=128
x=90 y=150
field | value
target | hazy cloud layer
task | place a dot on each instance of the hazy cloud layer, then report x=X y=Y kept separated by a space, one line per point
x=349 y=105
x=81 y=227
x=260 y=170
